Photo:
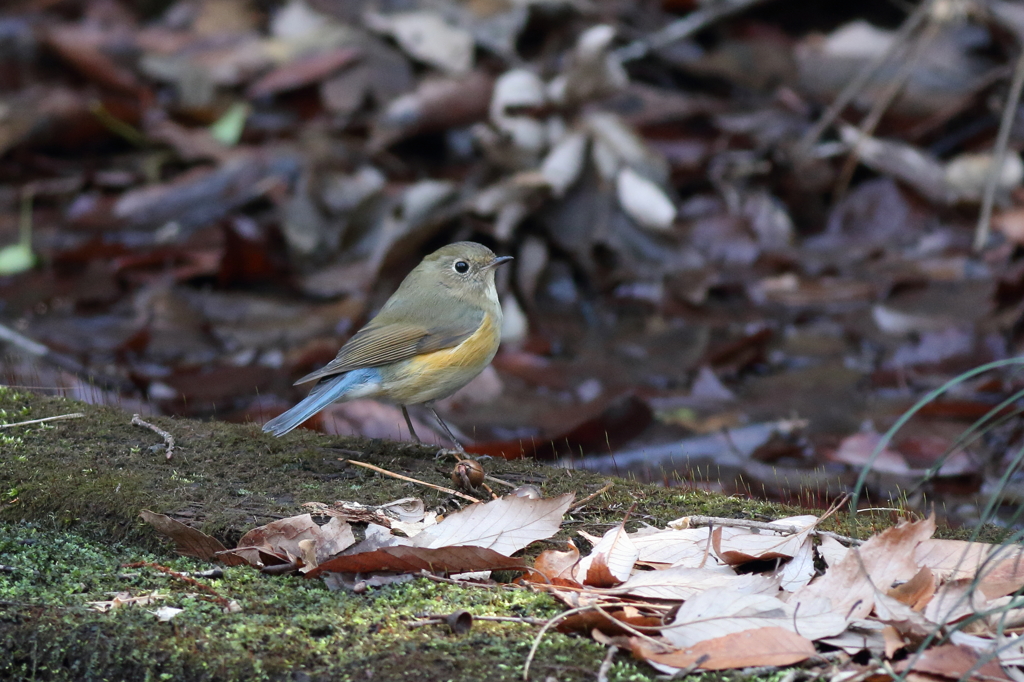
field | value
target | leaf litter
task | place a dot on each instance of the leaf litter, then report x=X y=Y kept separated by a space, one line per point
x=717 y=597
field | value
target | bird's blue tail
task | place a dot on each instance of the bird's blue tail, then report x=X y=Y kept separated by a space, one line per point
x=342 y=387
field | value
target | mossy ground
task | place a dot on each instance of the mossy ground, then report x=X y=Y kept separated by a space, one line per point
x=70 y=494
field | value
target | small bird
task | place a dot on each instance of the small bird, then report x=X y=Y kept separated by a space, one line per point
x=440 y=329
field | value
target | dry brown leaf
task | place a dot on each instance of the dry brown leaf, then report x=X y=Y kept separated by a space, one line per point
x=444 y=560
x=188 y=541
x=599 y=574
x=610 y=561
x=952 y=661
x=893 y=640
x=681 y=583
x=722 y=611
x=505 y=525
x=741 y=545
x=772 y=646
x=906 y=620
x=954 y=601
x=302 y=71
x=917 y=591
x=553 y=564
x=282 y=541
x=689 y=547
x=799 y=570
x=851 y=585
x=585 y=622
x=1001 y=566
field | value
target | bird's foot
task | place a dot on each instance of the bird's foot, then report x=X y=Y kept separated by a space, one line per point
x=457 y=455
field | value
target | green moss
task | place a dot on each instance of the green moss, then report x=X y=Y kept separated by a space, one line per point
x=96 y=473
x=71 y=491
x=288 y=627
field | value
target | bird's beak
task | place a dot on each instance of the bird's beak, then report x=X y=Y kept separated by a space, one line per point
x=497 y=261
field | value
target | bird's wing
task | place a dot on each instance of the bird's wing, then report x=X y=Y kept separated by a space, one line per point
x=382 y=344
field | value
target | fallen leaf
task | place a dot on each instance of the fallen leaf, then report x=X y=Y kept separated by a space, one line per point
x=999 y=568
x=741 y=545
x=681 y=583
x=554 y=564
x=428 y=37
x=720 y=611
x=952 y=661
x=851 y=585
x=917 y=591
x=614 y=554
x=188 y=541
x=440 y=561
x=505 y=525
x=767 y=646
x=166 y=613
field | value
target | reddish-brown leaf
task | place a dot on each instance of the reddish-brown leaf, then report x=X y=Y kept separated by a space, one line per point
x=953 y=661
x=763 y=646
x=442 y=561
x=188 y=541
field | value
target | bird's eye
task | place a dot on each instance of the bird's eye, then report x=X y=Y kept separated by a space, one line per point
x=461 y=267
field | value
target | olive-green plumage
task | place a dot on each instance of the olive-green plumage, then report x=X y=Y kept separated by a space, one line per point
x=436 y=332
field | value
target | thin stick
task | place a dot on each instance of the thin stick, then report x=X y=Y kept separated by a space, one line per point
x=695 y=521
x=464 y=583
x=588 y=498
x=981 y=233
x=881 y=105
x=441 y=620
x=543 y=630
x=606 y=664
x=168 y=438
x=407 y=478
x=854 y=87
x=629 y=628
x=75 y=415
x=512 y=619
x=683 y=28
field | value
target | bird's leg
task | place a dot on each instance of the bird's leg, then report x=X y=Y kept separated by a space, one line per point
x=448 y=432
x=408 y=422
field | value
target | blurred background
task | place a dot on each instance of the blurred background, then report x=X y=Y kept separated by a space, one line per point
x=748 y=234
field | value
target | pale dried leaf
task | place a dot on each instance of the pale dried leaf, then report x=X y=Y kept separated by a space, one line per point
x=334 y=536
x=799 y=570
x=690 y=547
x=165 y=613
x=618 y=552
x=126 y=599
x=721 y=611
x=505 y=525
x=742 y=545
x=955 y=600
x=644 y=201
x=564 y=163
x=1001 y=566
x=679 y=584
x=426 y=36
x=832 y=551
x=851 y=585
x=864 y=634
